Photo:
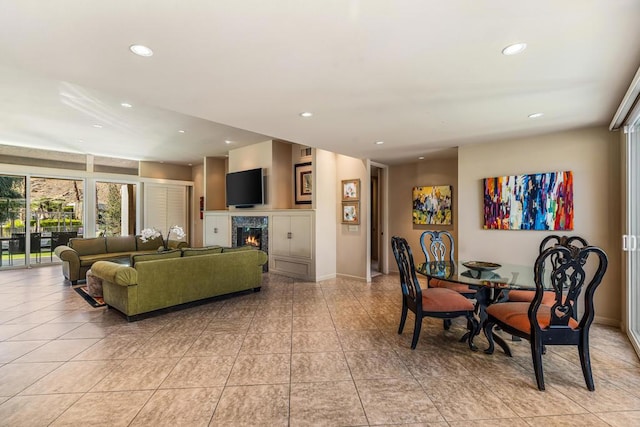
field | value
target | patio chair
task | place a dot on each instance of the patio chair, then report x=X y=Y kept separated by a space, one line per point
x=60 y=238
x=440 y=303
x=562 y=268
x=17 y=245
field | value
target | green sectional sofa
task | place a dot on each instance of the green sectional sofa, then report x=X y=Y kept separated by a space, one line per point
x=80 y=254
x=170 y=279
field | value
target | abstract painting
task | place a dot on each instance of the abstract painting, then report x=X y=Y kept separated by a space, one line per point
x=432 y=205
x=542 y=201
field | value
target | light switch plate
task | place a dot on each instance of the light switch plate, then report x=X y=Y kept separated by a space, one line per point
x=353 y=228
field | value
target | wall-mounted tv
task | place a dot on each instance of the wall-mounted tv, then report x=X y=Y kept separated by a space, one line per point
x=245 y=188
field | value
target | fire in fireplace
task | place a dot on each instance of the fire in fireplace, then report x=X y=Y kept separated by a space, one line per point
x=249 y=236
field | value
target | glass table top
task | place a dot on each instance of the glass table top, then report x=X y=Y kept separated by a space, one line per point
x=507 y=276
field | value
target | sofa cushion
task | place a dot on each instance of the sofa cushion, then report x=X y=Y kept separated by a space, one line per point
x=121 y=244
x=88 y=260
x=89 y=246
x=238 y=249
x=149 y=245
x=202 y=251
x=154 y=256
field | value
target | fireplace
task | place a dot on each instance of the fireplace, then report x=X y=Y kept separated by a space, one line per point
x=252 y=231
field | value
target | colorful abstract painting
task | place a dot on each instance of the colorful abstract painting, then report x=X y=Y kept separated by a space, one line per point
x=432 y=205
x=542 y=201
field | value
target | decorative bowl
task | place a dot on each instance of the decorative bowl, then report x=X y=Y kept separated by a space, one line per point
x=481 y=265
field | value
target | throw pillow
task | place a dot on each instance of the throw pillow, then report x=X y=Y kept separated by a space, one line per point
x=150 y=257
x=202 y=251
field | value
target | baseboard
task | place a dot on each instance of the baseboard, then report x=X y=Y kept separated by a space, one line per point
x=607 y=321
x=350 y=277
x=326 y=277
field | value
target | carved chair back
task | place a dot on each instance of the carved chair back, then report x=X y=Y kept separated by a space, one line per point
x=437 y=245
x=411 y=291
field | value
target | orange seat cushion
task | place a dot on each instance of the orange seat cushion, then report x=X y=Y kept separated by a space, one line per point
x=515 y=315
x=441 y=300
x=458 y=287
x=516 y=295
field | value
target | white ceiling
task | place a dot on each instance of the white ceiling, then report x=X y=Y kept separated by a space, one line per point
x=421 y=75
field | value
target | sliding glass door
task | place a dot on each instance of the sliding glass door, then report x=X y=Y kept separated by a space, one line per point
x=115 y=209
x=13 y=197
x=631 y=240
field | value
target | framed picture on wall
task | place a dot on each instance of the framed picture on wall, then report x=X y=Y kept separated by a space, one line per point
x=351 y=212
x=303 y=178
x=350 y=189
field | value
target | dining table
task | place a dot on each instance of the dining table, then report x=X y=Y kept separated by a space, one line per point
x=492 y=281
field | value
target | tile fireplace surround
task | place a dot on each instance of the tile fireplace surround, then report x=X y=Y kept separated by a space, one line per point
x=259 y=222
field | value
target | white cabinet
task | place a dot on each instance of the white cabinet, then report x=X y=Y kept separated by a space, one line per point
x=291 y=244
x=217 y=229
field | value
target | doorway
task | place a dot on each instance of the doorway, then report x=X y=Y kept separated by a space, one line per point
x=378 y=261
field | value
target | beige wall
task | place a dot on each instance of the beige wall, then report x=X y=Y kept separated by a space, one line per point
x=325 y=197
x=215 y=169
x=165 y=171
x=352 y=250
x=402 y=179
x=593 y=156
x=281 y=173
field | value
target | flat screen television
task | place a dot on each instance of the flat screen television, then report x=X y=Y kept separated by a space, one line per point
x=245 y=188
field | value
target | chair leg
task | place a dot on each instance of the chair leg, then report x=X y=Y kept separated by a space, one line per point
x=488 y=332
x=446 y=324
x=585 y=362
x=416 y=332
x=403 y=318
x=536 y=355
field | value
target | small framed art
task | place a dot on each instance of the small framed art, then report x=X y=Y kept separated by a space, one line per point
x=304 y=183
x=350 y=189
x=351 y=212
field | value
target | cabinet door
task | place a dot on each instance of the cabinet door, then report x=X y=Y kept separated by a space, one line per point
x=216 y=230
x=300 y=242
x=279 y=236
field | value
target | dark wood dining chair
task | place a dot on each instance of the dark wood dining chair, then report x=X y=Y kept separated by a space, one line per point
x=438 y=246
x=549 y=297
x=440 y=303
x=561 y=269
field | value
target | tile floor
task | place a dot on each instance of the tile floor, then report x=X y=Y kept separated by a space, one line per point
x=297 y=353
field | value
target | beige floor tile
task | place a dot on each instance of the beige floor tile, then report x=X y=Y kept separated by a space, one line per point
x=376 y=364
x=72 y=377
x=308 y=309
x=396 y=401
x=235 y=326
x=108 y=409
x=266 y=405
x=252 y=369
x=36 y=411
x=270 y=342
x=316 y=367
x=170 y=345
x=47 y=331
x=457 y=399
x=626 y=379
x=15 y=377
x=621 y=419
x=212 y=343
x=9 y=331
x=200 y=372
x=582 y=420
x=91 y=330
x=280 y=324
x=363 y=340
x=316 y=341
x=307 y=324
x=112 y=348
x=137 y=374
x=493 y=422
x=326 y=403
x=58 y=351
x=190 y=407
x=11 y=350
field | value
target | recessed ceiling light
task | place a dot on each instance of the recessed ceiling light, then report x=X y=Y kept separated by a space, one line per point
x=306 y=114
x=140 y=50
x=81 y=140
x=514 y=49
x=97 y=126
x=126 y=105
x=535 y=115
x=379 y=142
x=190 y=164
x=421 y=158
x=226 y=141
x=181 y=131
